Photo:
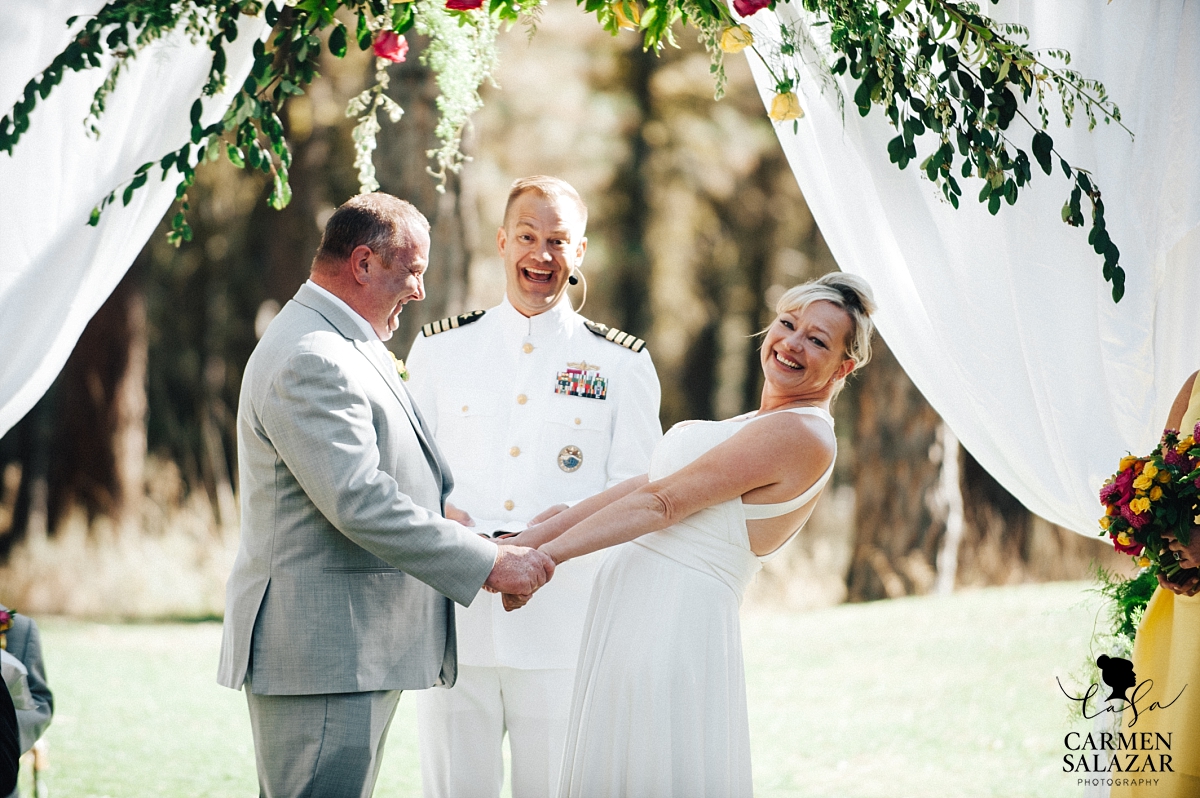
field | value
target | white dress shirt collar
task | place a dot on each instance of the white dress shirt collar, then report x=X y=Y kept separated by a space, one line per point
x=362 y=323
x=551 y=322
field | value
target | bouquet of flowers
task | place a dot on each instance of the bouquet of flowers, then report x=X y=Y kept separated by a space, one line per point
x=1152 y=496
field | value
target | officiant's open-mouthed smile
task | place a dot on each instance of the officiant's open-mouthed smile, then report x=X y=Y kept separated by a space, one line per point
x=542 y=244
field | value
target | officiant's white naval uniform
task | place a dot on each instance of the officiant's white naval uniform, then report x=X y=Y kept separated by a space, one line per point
x=530 y=412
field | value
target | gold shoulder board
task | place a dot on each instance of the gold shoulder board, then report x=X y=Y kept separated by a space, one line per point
x=616 y=336
x=451 y=323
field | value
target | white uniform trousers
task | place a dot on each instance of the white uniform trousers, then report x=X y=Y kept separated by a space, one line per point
x=461 y=731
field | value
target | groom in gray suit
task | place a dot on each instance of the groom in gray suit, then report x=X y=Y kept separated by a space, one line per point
x=340 y=594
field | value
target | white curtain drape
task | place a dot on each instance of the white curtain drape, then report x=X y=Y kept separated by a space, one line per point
x=55 y=271
x=1005 y=323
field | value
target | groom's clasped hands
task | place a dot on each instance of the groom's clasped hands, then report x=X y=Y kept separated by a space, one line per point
x=519 y=571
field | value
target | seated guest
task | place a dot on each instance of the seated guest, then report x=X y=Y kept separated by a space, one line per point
x=10 y=752
x=21 y=640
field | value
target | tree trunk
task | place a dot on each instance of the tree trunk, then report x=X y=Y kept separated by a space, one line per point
x=99 y=451
x=402 y=169
x=897 y=468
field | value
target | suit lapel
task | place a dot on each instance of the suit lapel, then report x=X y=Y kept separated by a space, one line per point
x=377 y=356
x=382 y=363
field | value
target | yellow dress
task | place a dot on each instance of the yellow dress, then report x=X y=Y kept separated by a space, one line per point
x=1167 y=650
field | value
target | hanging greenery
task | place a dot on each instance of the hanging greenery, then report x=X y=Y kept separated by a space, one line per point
x=936 y=68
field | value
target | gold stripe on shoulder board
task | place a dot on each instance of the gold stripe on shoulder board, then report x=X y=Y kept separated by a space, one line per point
x=619 y=337
x=451 y=323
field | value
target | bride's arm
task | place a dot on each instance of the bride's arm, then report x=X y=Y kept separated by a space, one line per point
x=558 y=523
x=788 y=450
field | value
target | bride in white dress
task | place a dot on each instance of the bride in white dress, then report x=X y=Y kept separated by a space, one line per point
x=659 y=707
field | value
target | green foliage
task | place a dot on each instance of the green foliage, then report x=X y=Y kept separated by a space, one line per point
x=1127 y=600
x=936 y=68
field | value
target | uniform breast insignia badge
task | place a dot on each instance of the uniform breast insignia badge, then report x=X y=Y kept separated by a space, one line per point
x=582 y=379
x=570 y=458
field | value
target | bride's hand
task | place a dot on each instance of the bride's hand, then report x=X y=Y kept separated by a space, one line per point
x=546 y=514
x=514 y=602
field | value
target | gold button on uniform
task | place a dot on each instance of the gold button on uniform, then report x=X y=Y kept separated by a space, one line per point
x=508 y=505
x=527 y=348
x=514 y=451
x=522 y=399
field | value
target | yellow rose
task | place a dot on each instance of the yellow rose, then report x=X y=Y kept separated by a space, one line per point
x=1140 y=506
x=736 y=38
x=1105 y=522
x=1164 y=477
x=1155 y=493
x=1150 y=470
x=1123 y=539
x=785 y=107
x=1126 y=462
x=1185 y=444
x=1143 y=482
x=1143 y=562
x=630 y=21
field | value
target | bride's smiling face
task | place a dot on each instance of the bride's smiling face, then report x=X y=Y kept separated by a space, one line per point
x=804 y=351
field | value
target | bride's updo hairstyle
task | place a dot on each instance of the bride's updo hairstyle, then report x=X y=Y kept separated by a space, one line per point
x=850 y=293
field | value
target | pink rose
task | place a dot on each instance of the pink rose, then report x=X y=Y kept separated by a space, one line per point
x=747 y=7
x=1133 y=548
x=463 y=5
x=391 y=46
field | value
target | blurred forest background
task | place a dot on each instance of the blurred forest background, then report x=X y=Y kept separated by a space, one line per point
x=117 y=491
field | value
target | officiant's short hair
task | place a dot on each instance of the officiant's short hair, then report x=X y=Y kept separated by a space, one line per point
x=380 y=221
x=547 y=187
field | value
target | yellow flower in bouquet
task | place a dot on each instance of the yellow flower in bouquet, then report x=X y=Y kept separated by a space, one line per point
x=1126 y=462
x=1143 y=482
x=736 y=38
x=1123 y=539
x=1185 y=444
x=1139 y=505
x=1143 y=562
x=1105 y=522
x=1150 y=470
x=1156 y=493
x=785 y=107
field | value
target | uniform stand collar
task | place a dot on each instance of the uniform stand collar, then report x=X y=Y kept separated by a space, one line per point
x=552 y=322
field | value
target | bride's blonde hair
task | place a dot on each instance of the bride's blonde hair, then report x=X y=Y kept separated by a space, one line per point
x=849 y=292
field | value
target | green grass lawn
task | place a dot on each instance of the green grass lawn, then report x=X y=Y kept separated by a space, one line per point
x=938 y=696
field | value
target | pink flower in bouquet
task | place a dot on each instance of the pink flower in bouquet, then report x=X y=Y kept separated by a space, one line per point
x=1132 y=547
x=1109 y=493
x=391 y=46
x=1174 y=458
x=463 y=5
x=747 y=7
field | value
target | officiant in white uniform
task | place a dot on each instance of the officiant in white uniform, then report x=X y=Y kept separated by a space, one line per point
x=534 y=406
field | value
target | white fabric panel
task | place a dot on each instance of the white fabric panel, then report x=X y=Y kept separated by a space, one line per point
x=55 y=271
x=1005 y=323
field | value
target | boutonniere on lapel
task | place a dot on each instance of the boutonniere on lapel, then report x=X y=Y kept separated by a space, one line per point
x=6 y=623
x=401 y=369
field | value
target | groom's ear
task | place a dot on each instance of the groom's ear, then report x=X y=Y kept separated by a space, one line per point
x=360 y=264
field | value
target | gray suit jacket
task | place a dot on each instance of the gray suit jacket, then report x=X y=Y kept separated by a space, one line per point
x=345 y=564
x=25 y=644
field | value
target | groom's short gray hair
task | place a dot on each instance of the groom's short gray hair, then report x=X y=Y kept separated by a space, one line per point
x=383 y=223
